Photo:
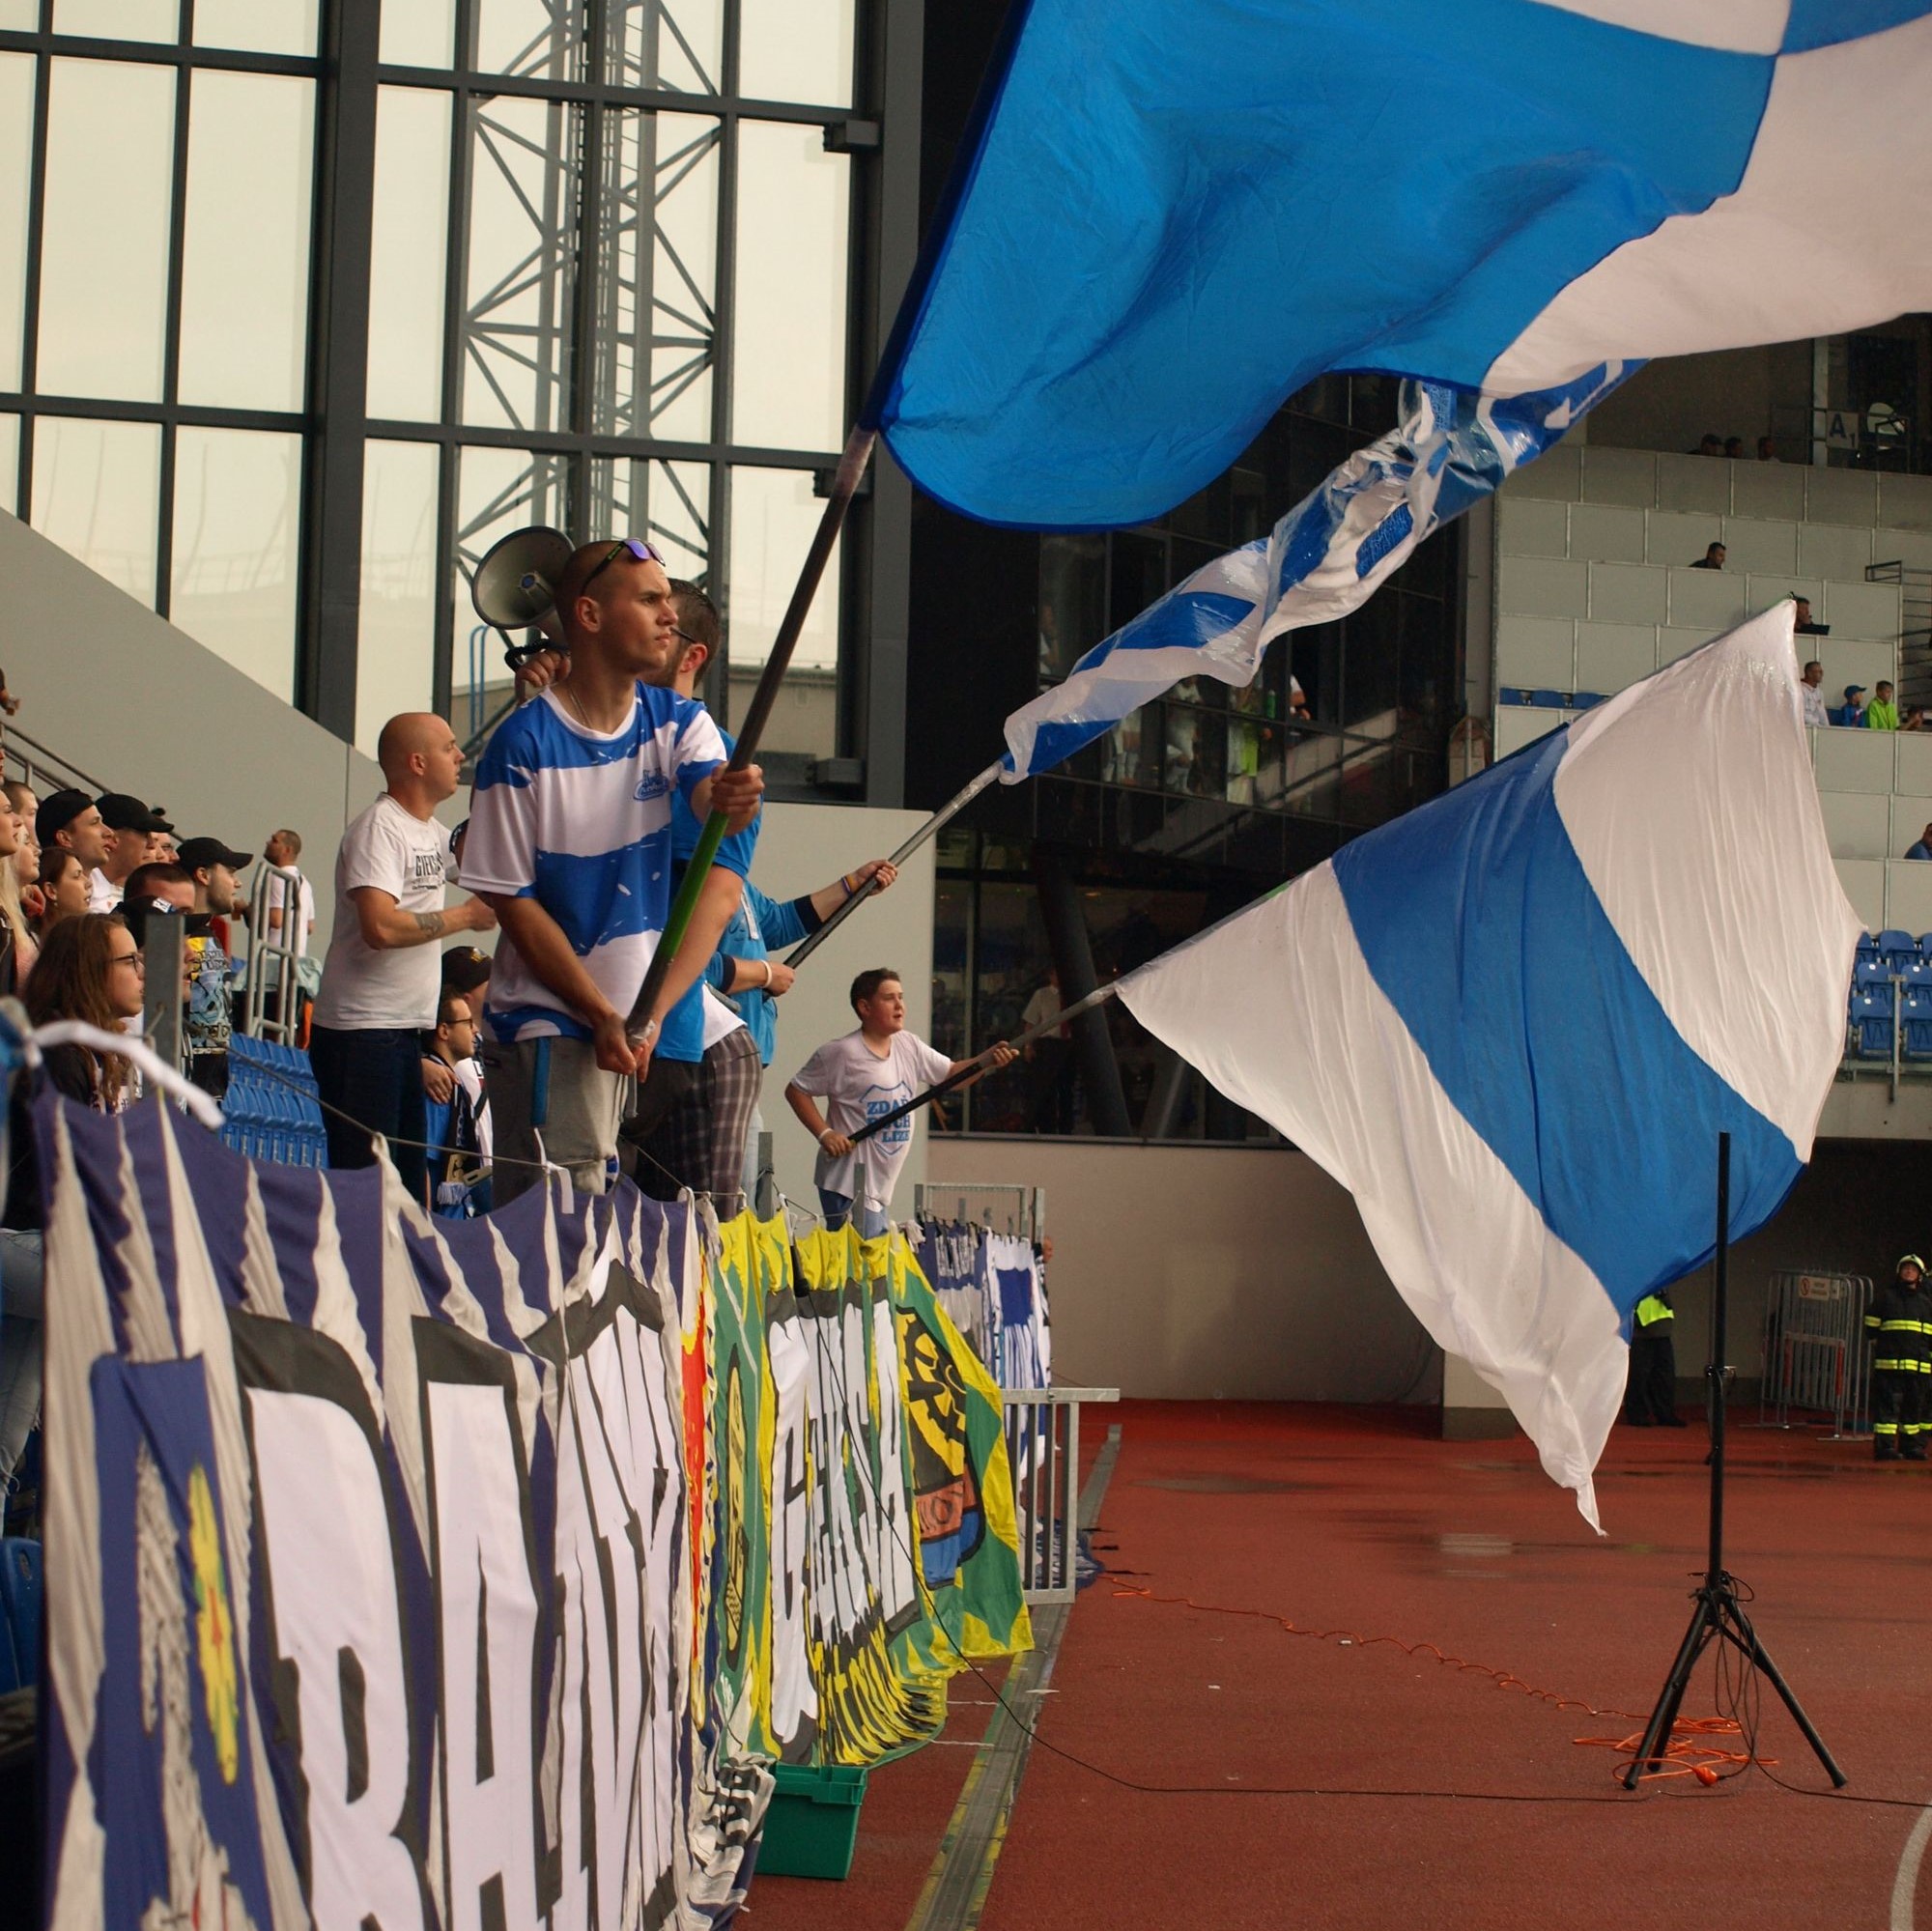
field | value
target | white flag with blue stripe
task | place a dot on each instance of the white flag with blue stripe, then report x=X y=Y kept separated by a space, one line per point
x=1514 y=1022
x=1324 y=558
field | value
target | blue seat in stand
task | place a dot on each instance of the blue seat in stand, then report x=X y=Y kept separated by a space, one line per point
x=271 y=1106
x=1899 y=950
x=1868 y=969
x=1914 y=1014
x=1871 y=1023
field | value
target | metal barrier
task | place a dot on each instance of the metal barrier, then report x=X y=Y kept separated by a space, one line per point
x=1023 y=1209
x=1042 y=1426
x=1817 y=1355
x=267 y=955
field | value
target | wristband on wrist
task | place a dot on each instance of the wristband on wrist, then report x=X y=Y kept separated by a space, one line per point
x=767 y=964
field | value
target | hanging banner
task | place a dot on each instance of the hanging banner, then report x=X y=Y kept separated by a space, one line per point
x=457 y=1576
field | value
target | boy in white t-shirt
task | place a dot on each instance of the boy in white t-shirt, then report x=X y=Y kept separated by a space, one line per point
x=860 y=1077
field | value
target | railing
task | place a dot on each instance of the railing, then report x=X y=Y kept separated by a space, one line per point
x=37 y=765
x=1817 y=1356
x=266 y=955
x=1915 y=634
x=1042 y=1426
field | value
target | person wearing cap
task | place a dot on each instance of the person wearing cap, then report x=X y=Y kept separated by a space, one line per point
x=70 y=821
x=205 y=1025
x=1650 y=1393
x=130 y=824
x=1851 y=713
x=1899 y=1325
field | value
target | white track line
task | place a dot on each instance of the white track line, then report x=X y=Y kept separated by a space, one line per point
x=1906 y=1884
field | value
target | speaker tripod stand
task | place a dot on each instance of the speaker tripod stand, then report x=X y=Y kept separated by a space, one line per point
x=1717 y=1614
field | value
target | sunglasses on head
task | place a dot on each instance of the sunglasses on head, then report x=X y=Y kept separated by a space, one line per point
x=640 y=552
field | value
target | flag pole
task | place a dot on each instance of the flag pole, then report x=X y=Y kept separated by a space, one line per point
x=942 y=817
x=974 y=1067
x=844 y=485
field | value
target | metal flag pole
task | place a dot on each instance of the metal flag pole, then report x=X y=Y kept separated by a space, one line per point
x=974 y=1067
x=942 y=817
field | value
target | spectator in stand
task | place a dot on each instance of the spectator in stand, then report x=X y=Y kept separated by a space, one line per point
x=283 y=851
x=1914 y=720
x=1734 y=448
x=1811 y=696
x=1767 y=450
x=1851 y=713
x=90 y=970
x=166 y=890
x=206 y=1024
x=1882 y=713
x=161 y=846
x=454 y=1130
x=70 y=821
x=131 y=825
x=1801 y=618
x=14 y=952
x=25 y=806
x=460 y=977
x=1709 y=445
x=743 y=969
x=1923 y=848
x=861 y=1076
x=63 y=885
x=1713 y=558
x=380 y=980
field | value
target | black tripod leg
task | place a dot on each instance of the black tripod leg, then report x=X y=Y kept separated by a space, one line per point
x=1703 y=1626
x=1737 y=1629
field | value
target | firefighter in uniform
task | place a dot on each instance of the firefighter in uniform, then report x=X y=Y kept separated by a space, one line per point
x=1900 y=1326
x=1650 y=1394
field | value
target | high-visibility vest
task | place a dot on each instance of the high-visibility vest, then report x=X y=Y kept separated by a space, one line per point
x=1652 y=1309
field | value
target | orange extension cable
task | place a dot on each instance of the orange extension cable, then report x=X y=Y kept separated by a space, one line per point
x=1684 y=1755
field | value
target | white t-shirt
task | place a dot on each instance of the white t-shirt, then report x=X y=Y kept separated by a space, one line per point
x=857 y=1086
x=103 y=893
x=362 y=989
x=298 y=940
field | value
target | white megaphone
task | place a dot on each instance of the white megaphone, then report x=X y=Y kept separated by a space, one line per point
x=515 y=584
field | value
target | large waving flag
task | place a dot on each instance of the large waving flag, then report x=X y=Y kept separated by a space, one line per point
x=1325 y=558
x=1176 y=213
x=1514 y=1022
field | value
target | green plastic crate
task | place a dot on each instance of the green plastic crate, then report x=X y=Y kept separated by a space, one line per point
x=813 y=1822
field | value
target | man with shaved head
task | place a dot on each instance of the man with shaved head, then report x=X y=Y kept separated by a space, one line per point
x=570 y=841
x=383 y=973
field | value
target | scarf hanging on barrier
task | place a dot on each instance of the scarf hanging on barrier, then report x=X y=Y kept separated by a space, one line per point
x=377 y=1581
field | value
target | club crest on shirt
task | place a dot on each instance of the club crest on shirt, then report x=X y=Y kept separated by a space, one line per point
x=652 y=784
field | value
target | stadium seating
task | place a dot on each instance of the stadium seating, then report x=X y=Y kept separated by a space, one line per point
x=270 y=1107
x=1872 y=1024
x=1916 y=1017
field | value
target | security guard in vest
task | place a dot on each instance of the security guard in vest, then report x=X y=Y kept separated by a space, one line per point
x=1900 y=1326
x=1650 y=1394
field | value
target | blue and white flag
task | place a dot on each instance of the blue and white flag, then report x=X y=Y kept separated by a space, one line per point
x=1176 y=213
x=1324 y=558
x=1514 y=1022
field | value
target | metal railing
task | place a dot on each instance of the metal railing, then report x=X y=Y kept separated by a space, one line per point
x=35 y=765
x=269 y=957
x=1817 y=1356
x=1023 y=1209
x=1043 y=1428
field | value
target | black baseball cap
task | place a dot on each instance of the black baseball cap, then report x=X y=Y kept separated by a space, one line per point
x=465 y=969
x=58 y=812
x=195 y=853
x=121 y=812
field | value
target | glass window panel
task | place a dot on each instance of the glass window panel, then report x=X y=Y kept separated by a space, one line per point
x=796 y=50
x=659 y=278
x=772 y=517
x=669 y=505
x=105 y=230
x=10 y=464
x=17 y=157
x=20 y=17
x=418 y=33
x=396 y=655
x=257 y=26
x=237 y=548
x=245 y=255
x=97 y=492
x=408 y=256
x=528 y=37
x=498 y=491
x=119 y=20
x=523 y=240
x=788 y=355
x=677 y=44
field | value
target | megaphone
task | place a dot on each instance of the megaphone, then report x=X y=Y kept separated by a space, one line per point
x=515 y=584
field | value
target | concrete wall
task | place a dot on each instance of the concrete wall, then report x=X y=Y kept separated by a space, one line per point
x=140 y=706
x=1208 y=1273
x=801 y=847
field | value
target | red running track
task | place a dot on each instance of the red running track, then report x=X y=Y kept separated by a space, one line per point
x=1354 y=1519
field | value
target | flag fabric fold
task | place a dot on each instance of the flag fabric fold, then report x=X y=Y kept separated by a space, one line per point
x=1514 y=1022
x=1180 y=212
x=1324 y=558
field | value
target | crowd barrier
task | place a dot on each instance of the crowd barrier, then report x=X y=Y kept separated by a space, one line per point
x=1817 y=1356
x=462 y=1575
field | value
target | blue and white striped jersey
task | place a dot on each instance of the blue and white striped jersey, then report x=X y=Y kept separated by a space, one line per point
x=581 y=821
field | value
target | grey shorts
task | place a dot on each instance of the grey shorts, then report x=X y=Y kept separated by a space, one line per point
x=550 y=1099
